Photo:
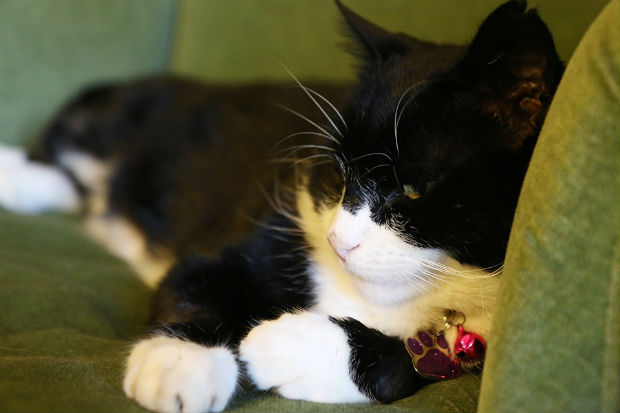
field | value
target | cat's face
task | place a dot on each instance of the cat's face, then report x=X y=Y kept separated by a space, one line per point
x=433 y=154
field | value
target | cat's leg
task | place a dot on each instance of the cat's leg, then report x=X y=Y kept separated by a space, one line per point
x=170 y=374
x=31 y=187
x=303 y=356
x=313 y=357
x=203 y=310
x=188 y=363
x=380 y=364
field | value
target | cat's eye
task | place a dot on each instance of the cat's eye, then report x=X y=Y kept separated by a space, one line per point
x=411 y=192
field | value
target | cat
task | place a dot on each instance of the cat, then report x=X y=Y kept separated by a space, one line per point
x=388 y=216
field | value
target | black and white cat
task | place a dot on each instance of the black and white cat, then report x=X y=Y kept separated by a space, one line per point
x=387 y=216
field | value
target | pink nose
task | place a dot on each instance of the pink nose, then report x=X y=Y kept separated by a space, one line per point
x=341 y=247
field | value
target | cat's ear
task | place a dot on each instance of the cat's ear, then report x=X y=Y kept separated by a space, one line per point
x=374 y=43
x=514 y=65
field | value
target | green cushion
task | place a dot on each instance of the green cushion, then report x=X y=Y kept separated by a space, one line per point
x=69 y=313
x=556 y=336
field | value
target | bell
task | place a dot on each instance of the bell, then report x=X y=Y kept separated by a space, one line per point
x=469 y=346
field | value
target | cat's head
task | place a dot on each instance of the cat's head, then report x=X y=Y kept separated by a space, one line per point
x=436 y=144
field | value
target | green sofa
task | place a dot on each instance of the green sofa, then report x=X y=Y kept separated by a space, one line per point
x=69 y=311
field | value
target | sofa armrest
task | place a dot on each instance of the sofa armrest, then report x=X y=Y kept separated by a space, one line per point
x=555 y=344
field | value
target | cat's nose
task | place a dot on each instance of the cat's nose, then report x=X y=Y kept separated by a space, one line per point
x=341 y=246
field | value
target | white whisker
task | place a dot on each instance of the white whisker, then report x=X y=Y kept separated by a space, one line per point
x=417 y=279
x=370 y=154
x=395 y=175
x=397 y=116
x=373 y=168
x=313 y=99
x=474 y=273
x=298 y=148
x=330 y=105
x=275 y=203
x=321 y=155
x=322 y=163
x=316 y=125
x=292 y=135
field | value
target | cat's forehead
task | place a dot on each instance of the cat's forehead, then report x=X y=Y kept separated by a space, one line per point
x=419 y=127
x=420 y=62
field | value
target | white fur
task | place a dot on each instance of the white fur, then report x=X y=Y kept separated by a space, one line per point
x=383 y=267
x=125 y=241
x=383 y=283
x=117 y=234
x=171 y=375
x=12 y=155
x=302 y=356
x=347 y=231
x=30 y=187
x=92 y=173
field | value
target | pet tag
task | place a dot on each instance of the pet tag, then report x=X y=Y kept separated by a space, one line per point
x=432 y=357
x=431 y=353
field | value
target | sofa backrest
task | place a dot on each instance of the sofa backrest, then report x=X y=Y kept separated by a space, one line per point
x=49 y=49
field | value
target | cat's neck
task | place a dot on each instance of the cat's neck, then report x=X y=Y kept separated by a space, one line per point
x=469 y=290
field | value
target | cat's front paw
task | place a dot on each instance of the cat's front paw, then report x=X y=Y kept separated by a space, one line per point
x=167 y=374
x=302 y=356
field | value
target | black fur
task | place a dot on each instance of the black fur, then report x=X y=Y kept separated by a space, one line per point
x=187 y=169
x=217 y=302
x=466 y=139
x=193 y=161
x=380 y=365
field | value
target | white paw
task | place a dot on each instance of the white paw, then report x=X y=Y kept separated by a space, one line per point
x=303 y=356
x=171 y=375
x=30 y=187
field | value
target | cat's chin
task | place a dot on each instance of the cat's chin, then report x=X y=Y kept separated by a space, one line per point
x=391 y=281
x=386 y=294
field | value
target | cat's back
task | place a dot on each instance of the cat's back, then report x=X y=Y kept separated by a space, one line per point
x=192 y=166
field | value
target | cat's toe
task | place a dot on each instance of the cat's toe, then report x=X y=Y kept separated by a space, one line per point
x=303 y=356
x=167 y=374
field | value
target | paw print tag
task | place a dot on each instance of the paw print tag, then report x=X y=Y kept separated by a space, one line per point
x=432 y=357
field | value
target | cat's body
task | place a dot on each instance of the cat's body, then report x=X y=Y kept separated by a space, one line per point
x=194 y=191
x=399 y=212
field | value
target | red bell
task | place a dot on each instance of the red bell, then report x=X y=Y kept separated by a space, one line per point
x=469 y=346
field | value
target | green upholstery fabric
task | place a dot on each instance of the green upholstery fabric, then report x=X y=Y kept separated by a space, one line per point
x=556 y=336
x=69 y=313
x=243 y=40
x=49 y=49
